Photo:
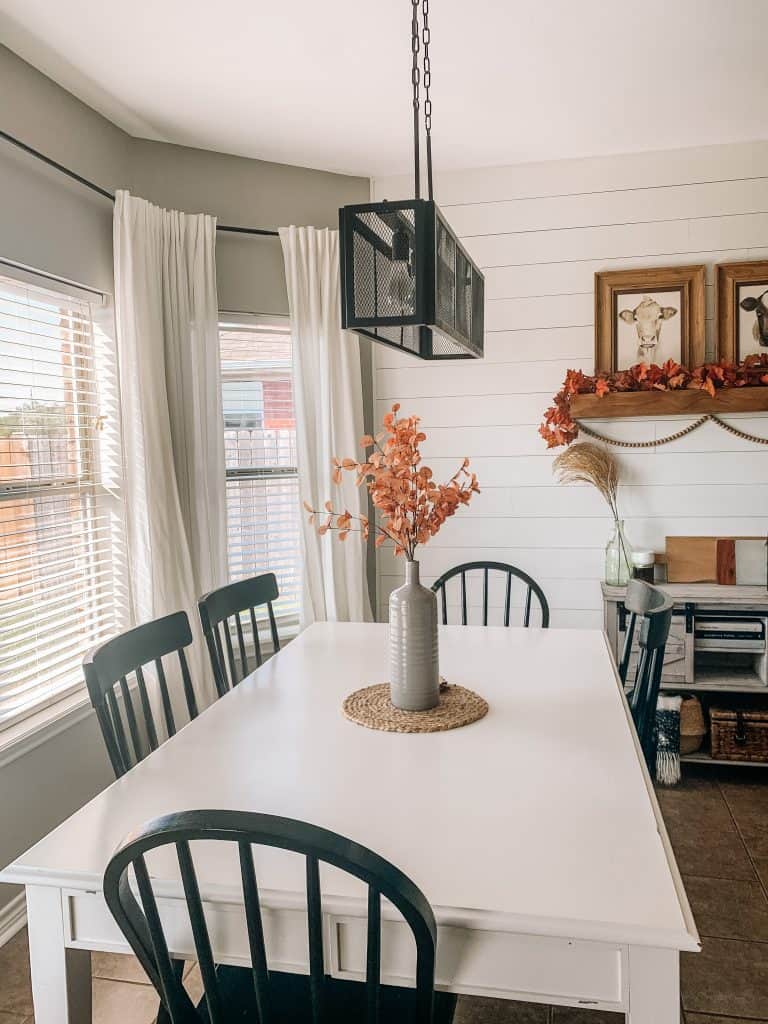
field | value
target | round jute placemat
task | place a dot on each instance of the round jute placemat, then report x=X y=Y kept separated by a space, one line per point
x=372 y=708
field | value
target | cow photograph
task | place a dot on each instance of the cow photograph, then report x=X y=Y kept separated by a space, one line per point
x=742 y=309
x=752 y=331
x=649 y=315
x=648 y=329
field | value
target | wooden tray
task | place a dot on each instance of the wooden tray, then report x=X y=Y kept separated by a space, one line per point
x=724 y=560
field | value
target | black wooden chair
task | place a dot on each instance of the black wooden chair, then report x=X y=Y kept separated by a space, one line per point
x=510 y=571
x=220 y=612
x=107 y=670
x=650 y=617
x=260 y=995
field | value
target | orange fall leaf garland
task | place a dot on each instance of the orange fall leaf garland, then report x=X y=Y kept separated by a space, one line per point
x=559 y=426
x=412 y=506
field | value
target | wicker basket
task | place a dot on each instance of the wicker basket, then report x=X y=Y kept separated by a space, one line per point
x=693 y=727
x=739 y=735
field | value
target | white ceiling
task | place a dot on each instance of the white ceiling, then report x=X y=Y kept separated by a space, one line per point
x=326 y=83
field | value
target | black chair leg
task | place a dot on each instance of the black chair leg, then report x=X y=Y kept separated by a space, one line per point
x=163 y=1017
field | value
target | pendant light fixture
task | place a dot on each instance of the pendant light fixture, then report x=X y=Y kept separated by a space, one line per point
x=406 y=280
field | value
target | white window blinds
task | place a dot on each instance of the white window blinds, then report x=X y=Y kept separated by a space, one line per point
x=260 y=438
x=61 y=564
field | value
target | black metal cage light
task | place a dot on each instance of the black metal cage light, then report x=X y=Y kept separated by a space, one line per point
x=406 y=280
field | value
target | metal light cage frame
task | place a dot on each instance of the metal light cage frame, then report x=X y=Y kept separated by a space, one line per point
x=438 y=287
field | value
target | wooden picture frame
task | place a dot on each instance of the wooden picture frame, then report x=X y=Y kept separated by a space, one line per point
x=612 y=285
x=730 y=279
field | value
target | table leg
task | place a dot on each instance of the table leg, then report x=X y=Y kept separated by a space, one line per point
x=61 y=977
x=654 y=986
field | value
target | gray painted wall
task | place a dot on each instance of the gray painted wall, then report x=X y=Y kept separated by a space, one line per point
x=248 y=193
x=47 y=221
x=57 y=226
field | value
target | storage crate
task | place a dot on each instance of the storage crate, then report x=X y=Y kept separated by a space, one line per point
x=739 y=735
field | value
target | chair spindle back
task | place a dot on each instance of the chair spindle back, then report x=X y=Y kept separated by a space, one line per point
x=141 y=924
x=510 y=572
x=651 y=612
x=132 y=733
x=220 y=615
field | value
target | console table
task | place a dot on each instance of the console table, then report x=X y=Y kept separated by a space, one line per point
x=718 y=642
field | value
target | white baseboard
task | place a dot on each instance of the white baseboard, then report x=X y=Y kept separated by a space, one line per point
x=13 y=917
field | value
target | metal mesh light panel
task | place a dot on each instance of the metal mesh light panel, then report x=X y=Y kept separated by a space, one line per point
x=383 y=287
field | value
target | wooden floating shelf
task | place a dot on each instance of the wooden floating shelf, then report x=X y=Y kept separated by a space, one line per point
x=669 y=403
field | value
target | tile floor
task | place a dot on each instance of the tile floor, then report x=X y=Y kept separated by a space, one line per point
x=718 y=822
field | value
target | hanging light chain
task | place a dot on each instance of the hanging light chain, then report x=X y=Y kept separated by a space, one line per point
x=427 y=80
x=415 y=78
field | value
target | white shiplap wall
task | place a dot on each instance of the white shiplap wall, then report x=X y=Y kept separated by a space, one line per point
x=539 y=232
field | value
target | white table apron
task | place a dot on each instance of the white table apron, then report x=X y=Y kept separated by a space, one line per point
x=534 y=833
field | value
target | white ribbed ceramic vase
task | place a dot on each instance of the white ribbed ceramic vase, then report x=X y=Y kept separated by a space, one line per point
x=414 y=678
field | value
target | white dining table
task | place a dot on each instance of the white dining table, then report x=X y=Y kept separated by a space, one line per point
x=534 y=832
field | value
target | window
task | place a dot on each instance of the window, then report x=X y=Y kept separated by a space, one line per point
x=60 y=561
x=263 y=505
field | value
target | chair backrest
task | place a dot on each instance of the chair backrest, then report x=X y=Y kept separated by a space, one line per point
x=107 y=670
x=142 y=927
x=220 y=612
x=510 y=572
x=651 y=609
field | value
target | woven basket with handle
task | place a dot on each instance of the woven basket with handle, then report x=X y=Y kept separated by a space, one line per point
x=739 y=735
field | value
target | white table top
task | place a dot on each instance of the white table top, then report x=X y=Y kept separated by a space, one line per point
x=536 y=819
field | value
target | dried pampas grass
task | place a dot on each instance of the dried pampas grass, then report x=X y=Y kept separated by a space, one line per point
x=587 y=463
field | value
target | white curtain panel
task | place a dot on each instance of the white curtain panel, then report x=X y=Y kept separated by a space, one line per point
x=329 y=422
x=173 y=430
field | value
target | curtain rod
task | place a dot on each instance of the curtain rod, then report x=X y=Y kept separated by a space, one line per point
x=108 y=195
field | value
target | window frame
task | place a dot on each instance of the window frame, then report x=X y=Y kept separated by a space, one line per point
x=67 y=704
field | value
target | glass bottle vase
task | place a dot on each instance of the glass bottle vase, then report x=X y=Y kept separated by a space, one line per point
x=618 y=557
